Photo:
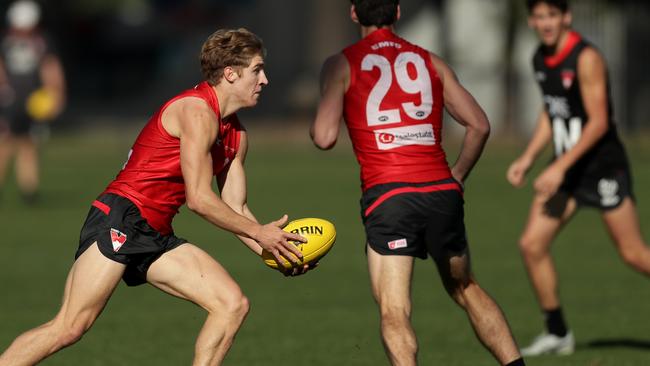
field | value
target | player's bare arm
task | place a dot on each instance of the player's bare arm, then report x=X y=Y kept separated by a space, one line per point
x=232 y=186
x=517 y=171
x=194 y=123
x=593 y=87
x=53 y=80
x=6 y=92
x=334 y=81
x=462 y=106
x=3 y=75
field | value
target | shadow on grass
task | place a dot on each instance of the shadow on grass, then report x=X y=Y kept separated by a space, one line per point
x=630 y=343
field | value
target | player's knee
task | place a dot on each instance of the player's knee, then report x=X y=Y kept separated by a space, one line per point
x=236 y=306
x=461 y=290
x=530 y=247
x=632 y=257
x=394 y=315
x=455 y=284
x=244 y=306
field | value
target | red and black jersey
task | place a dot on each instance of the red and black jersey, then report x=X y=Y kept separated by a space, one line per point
x=152 y=178
x=393 y=111
x=557 y=76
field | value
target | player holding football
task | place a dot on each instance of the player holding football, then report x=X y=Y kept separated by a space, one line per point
x=27 y=63
x=589 y=168
x=128 y=234
x=391 y=94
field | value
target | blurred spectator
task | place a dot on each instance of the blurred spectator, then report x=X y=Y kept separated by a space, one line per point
x=32 y=87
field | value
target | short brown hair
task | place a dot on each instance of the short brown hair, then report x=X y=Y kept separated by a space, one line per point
x=228 y=47
x=379 y=13
x=563 y=5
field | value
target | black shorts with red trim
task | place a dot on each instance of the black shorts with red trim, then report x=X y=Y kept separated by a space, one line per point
x=124 y=236
x=415 y=219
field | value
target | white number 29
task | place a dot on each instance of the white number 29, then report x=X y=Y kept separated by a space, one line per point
x=420 y=85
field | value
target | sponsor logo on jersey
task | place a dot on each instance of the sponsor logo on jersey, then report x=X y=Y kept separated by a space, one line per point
x=567 y=78
x=118 y=239
x=391 y=138
x=396 y=244
x=608 y=190
x=557 y=106
x=386 y=138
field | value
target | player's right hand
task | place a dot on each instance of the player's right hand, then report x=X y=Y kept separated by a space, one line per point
x=276 y=241
x=298 y=270
x=516 y=174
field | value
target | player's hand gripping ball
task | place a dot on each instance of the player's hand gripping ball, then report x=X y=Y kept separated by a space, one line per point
x=320 y=235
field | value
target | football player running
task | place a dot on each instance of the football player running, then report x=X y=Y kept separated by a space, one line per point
x=589 y=169
x=127 y=235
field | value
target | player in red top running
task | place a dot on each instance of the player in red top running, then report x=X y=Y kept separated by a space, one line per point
x=128 y=234
x=391 y=94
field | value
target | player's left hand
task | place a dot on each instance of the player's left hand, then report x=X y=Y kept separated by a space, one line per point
x=458 y=178
x=549 y=181
x=298 y=270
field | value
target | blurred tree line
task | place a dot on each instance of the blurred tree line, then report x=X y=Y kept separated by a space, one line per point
x=125 y=57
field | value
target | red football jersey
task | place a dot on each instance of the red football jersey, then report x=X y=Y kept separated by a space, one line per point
x=152 y=178
x=393 y=111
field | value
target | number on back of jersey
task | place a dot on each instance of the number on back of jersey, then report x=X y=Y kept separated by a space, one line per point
x=420 y=84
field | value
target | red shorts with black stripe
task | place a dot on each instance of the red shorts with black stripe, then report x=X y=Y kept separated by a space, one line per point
x=415 y=219
x=124 y=236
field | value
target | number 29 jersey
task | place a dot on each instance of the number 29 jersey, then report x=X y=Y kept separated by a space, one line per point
x=393 y=111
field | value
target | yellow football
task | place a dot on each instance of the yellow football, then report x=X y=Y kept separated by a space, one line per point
x=40 y=104
x=320 y=235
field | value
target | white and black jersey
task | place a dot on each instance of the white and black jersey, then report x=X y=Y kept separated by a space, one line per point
x=557 y=76
x=601 y=178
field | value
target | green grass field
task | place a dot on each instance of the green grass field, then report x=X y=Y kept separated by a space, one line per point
x=326 y=317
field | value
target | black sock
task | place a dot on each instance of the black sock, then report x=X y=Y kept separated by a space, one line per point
x=517 y=362
x=555 y=322
x=30 y=198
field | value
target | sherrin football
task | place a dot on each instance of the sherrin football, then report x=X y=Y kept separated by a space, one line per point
x=40 y=105
x=320 y=235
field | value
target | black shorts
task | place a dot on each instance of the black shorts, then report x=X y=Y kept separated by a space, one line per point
x=415 y=219
x=604 y=191
x=124 y=236
x=20 y=123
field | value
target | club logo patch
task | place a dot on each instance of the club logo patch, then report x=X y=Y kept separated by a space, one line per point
x=396 y=244
x=118 y=239
x=567 y=78
x=608 y=190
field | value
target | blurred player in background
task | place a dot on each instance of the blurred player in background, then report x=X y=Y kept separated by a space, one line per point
x=192 y=138
x=391 y=94
x=32 y=90
x=589 y=168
